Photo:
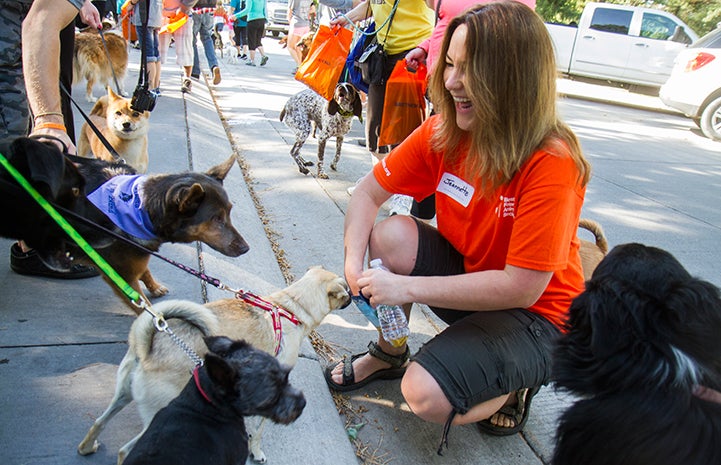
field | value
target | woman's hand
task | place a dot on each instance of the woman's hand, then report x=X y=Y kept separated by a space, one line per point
x=339 y=20
x=90 y=15
x=415 y=57
x=383 y=287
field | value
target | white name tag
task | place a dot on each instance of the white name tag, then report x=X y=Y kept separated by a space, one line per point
x=456 y=188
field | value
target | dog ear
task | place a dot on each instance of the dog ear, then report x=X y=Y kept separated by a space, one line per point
x=222 y=373
x=692 y=321
x=188 y=199
x=357 y=105
x=44 y=164
x=333 y=107
x=221 y=171
x=218 y=344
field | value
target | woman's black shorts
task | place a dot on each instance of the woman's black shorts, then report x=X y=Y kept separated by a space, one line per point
x=481 y=355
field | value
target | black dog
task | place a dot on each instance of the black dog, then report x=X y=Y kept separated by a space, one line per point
x=56 y=179
x=204 y=424
x=641 y=339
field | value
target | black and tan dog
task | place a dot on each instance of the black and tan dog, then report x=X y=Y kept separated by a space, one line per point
x=149 y=209
x=307 y=111
x=643 y=354
x=205 y=424
x=155 y=209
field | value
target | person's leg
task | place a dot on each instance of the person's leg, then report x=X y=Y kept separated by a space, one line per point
x=195 y=72
x=67 y=46
x=443 y=377
x=395 y=241
x=153 y=64
x=206 y=38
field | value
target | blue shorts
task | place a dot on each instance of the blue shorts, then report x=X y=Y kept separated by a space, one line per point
x=480 y=355
x=151 y=41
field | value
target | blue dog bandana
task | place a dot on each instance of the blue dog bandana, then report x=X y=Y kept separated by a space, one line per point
x=120 y=199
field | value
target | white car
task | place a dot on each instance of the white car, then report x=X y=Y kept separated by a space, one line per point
x=695 y=84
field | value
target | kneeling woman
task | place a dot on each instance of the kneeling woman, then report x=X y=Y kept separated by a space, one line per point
x=503 y=265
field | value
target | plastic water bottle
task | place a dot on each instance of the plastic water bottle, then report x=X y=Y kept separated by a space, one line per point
x=394 y=324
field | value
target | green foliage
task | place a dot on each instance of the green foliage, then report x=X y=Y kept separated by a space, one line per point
x=701 y=15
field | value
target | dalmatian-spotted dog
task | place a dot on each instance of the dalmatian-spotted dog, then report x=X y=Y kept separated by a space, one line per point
x=307 y=109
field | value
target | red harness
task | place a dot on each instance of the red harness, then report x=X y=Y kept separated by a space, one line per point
x=276 y=313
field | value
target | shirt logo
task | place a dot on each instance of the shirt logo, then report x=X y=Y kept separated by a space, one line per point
x=506 y=207
x=456 y=188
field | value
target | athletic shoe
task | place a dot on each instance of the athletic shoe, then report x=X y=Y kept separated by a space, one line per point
x=216 y=75
x=264 y=60
x=400 y=205
x=187 y=85
x=249 y=63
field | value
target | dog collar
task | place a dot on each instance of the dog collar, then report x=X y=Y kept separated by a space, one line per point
x=196 y=377
x=348 y=114
x=121 y=199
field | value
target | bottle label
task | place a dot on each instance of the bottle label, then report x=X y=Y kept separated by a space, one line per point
x=365 y=307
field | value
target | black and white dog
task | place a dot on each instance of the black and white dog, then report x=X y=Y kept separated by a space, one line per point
x=205 y=423
x=307 y=109
x=643 y=353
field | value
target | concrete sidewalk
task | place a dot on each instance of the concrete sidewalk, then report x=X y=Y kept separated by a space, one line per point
x=60 y=342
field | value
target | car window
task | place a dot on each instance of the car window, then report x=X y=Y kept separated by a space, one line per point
x=654 y=26
x=608 y=20
x=710 y=40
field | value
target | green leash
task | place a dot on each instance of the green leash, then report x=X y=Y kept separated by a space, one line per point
x=135 y=298
x=104 y=266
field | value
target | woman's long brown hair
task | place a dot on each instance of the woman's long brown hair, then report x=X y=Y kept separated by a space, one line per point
x=510 y=78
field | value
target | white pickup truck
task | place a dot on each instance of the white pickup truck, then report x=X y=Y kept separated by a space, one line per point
x=621 y=43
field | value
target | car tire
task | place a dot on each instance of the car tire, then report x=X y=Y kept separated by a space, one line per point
x=711 y=120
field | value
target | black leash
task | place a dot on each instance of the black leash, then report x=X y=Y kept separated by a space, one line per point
x=110 y=61
x=202 y=276
x=95 y=129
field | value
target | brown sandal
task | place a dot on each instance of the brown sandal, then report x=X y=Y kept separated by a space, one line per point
x=397 y=369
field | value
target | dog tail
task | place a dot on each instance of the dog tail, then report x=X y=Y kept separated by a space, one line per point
x=143 y=328
x=597 y=231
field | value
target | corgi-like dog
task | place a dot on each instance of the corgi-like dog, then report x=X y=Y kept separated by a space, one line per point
x=126 y=130
x=90 y=61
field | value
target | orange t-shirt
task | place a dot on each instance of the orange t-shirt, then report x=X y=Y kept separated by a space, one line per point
x=531 y=222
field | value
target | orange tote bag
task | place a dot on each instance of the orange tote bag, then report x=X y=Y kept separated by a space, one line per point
x=404 y=108
x=325 y=61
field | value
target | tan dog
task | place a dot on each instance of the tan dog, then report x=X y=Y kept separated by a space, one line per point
x=592 y=252
x=90 y=62
x=126 y=130
x=154 y=370
x=304 y=44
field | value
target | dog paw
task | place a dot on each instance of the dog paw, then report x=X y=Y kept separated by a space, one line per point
x=91 y=98
x=322 y=175
x=334 y=167
x=259 y=457
x=158 y=291
x=87 y=449
x=304 y=162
